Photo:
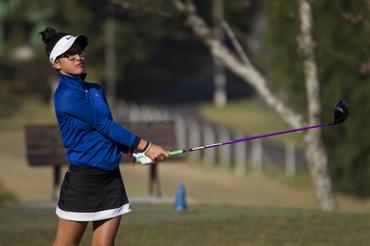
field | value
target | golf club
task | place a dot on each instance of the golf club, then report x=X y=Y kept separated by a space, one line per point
x=341 y=112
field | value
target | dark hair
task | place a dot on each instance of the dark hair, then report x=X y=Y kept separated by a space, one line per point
x=50 y=37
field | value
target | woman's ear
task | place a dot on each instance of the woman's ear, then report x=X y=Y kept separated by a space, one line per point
x=56 y=65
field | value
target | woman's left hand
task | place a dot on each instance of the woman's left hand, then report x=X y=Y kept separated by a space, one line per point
x=157 y=153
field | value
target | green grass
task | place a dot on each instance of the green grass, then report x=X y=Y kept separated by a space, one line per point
x=6 y=196
x=251 y=116
x=301 y=179
x=201 y=225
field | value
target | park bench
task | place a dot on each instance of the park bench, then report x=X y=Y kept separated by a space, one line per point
x=44 y=148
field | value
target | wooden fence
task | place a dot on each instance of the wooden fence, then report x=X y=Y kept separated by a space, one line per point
x=241 y=157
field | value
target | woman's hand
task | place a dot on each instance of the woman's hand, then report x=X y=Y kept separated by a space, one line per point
x=157 y=153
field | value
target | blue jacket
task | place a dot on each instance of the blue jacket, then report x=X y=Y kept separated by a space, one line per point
x=88 y=131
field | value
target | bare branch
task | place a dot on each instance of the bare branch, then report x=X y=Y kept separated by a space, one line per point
x=235 y=42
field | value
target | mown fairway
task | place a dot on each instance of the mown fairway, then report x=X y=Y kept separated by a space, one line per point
x=201 y=225
x=245 y=220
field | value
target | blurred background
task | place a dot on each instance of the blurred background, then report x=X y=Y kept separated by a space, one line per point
x=154 y=67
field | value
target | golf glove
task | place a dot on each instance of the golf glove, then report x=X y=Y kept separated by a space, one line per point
x=142 y=158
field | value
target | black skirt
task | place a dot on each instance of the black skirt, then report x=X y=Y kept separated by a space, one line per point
x=90 y=194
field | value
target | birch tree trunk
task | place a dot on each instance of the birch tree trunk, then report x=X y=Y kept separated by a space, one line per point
x=315 y=151
x=219 y=95
x=241 y=66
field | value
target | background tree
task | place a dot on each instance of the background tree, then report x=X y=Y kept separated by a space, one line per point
x=241 y=66
x=155 y=50
x=341 y=31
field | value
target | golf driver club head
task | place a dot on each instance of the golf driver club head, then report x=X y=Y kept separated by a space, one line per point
x=341 y=111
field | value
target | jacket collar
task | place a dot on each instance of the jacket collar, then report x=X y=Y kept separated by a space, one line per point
x=76 y=81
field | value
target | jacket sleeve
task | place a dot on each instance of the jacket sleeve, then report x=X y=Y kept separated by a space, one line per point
x=125 y=149
x=77 y=105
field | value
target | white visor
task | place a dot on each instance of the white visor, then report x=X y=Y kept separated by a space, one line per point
x=62 y=46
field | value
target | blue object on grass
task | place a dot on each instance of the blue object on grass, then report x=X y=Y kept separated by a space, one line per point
x=180 y=201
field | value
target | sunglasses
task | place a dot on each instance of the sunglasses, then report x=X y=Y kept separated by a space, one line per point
x=73 y=57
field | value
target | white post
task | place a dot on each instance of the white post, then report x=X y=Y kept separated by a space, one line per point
x=156 y=114
x=290 y=158
x=257 y=155
x=225 y=151
x=165 y=115
x=194 y=139
x=209 y=138
x=134 y=113
x=240 y=156
x=180 y=128
x=146 y=113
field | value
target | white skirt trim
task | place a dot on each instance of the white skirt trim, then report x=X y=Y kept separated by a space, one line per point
x=93 y=216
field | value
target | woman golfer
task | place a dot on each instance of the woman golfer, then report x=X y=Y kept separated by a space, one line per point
x=92 y=189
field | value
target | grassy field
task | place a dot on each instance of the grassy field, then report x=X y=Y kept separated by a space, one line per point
x=258 y=209
x=201 y=225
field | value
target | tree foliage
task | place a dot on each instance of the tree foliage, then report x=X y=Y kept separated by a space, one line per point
x=153 y=47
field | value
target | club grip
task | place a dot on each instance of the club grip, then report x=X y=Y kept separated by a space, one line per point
x=175 y=153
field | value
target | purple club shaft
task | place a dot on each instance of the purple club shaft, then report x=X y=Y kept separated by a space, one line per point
x=255 y=137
